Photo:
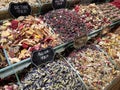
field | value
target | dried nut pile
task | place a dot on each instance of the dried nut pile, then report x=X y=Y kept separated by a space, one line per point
x=65 y=22
x=96 y=70
x=110 y=11
x=53 y=76
x=46 y=1
x=3 y=62
x=23 y=35
x=5 y=3
x=111 y=44
x=92 y=16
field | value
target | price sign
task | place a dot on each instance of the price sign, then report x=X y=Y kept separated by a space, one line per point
x=19 y=9
x=80 y=41
x=43 y=56
x=57 y=4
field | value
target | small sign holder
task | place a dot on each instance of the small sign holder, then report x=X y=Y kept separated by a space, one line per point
x=80 y=41
x=19 y=9
x=57 y=4
x=41 y=57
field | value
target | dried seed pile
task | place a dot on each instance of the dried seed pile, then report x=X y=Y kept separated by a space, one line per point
x=53 y=76
x=111 y=44
x=110 y=11
x=3 y=62
x=23 y=35
x=92 y=16
x=65 y=22
x=5 y=3
x=96 y=70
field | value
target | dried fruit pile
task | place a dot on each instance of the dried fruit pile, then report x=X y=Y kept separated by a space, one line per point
x=3 y=62
x=111 y=44
x=92 y=16
x=95 y=68
x=110 y=11
x=5 y=3
x=65 y=22
x=53 y=76
x=23 y=35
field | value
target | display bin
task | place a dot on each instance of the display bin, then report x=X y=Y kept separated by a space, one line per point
x=112 y=84
x=7 y=71
x=53 y=68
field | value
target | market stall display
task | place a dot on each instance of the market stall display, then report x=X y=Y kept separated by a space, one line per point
x=110 y=11
x=87 y=68
x=23 y=35
x=95 y=68
x=57 y=75
x=66 y=23
x=111 y=44
x=92 y=16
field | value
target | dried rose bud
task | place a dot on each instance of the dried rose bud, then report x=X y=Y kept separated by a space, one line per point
x=14 y=24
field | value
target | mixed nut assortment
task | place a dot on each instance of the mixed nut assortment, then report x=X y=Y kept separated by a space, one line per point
x=5 y=3
x=92 y=16
x=23 y=35
x=111 y=44
x=110 y=11
x=53 y=76
x=66 y=23
x=95 y=68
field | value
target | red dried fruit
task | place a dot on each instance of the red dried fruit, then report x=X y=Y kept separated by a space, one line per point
x=105 y=19
x=48 y=40
x=20 y=26
x=88 y=14
x=32 y=49
x=77 y=8
x=25 y=46
x=14 y=24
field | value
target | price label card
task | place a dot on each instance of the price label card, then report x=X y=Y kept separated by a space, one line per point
x=19 y=9
x=57 y=4
x=80 y=41
x=43 y=56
